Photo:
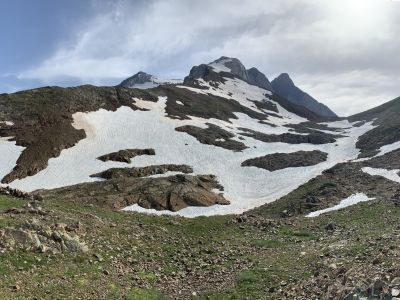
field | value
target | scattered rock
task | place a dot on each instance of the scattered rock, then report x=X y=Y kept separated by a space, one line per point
x=33 y=236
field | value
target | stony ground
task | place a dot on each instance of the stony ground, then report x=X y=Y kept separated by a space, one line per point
x=135 y=256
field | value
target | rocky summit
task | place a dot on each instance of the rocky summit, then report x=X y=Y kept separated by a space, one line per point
x=221 y=186
x=283 y=85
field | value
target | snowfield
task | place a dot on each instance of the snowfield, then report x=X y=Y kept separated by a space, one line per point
x=352 y=200
x=244 y=187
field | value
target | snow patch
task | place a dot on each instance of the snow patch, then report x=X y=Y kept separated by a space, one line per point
x=7 y=123
x=392 y=175
x=352 y=200
x=220 y=65
x=9 y=155
x=388 y=148
x=382 y=151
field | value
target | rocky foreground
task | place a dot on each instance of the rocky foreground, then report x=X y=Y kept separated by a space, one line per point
x=58 y=249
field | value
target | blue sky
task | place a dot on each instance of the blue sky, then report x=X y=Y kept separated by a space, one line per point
x=343 y=52
x=31 y=32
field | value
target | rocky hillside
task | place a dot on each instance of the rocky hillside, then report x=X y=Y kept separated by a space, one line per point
x=251 y=195
x=284 y=86
x=204 y=147
x=222 y=124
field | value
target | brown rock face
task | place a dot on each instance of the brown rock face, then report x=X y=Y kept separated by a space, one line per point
x=126 y=155
x=162 y=193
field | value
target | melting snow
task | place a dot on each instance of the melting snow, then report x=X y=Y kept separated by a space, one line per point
x=244 y=187
x=392 y=175
x=9 y=155
x=352 y=200
x=388 y=148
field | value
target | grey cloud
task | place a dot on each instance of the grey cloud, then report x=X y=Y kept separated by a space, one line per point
x=349 y=63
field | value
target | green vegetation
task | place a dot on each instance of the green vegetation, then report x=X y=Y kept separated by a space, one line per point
x=136 y=256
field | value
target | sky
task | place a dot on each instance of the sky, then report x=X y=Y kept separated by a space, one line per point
x=345 y=53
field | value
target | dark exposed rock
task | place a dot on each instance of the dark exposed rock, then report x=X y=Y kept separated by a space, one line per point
x=202 y=106
x=161 y=193
x=207 y=73
x=236 y=70
x=277 y=161
x=255 y=77
x=267 y=105
x=370 y=142
x=389 y=161
x=16 y=193
x=387 y=119
x=43 y=120
x=285 y=87
x=331 y=226
x=315 y=138
x=310 y=127
x=143 y=171
x=138 y=78
x=126 y=155
x=213 y=135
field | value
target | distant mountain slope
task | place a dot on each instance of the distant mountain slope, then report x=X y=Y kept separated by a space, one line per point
x=386 y=118
x=285 y=87
x=224 y=68
x=142 y=80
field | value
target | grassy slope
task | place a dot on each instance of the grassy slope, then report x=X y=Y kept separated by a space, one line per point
x=134 y=256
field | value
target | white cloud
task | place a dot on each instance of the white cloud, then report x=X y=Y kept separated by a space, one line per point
x=343 y=57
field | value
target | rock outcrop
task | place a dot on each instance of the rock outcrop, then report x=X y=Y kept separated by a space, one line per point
x=213 y=135
x=278 y=161
x=161 y=193
x=126 y=155
x=142 y=172
x=316 y=138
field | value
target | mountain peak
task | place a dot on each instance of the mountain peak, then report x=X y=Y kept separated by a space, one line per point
x=284 y=86
x=284 y=77
x=258 y=78
x=143 y=80
x=139 y=78
x=228 y=67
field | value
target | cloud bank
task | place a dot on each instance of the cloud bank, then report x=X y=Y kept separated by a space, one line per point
x=343 y=52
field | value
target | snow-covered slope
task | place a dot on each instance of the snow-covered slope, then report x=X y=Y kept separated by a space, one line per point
x=217 y=123
x=244 y=187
